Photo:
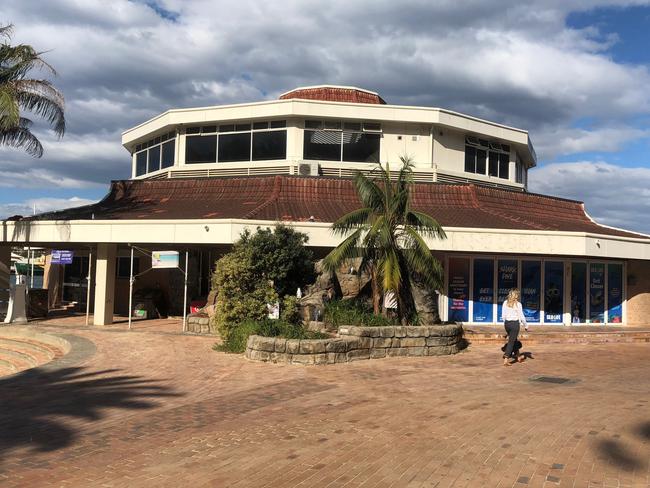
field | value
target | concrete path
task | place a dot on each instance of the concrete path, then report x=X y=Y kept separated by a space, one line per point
x=139 y=409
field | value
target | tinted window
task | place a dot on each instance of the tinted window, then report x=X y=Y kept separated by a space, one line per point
x=168 y=154
x=141 y=163
x=481 y=161
x=494 y=164
x=234 y=147
x=358 y=147
x=154 y=159
x=504 y=166
x=323 y=145
x=270 y=145
x=470 y=159
x=202 y=149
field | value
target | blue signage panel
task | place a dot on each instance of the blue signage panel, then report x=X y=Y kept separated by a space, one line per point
x=531 y=283
x=458 y=294
x=553 y=291
x=60 y=256
x=597 y=293
x=483 y=290
x=506 y=279
x=615 y=293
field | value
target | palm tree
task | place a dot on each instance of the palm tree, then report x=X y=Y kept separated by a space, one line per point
x=19 y=93
x=389 y=237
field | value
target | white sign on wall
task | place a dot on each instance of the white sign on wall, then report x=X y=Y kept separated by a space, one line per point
x=164 y=259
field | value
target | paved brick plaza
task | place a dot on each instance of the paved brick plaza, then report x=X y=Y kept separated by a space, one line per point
x=157 y=409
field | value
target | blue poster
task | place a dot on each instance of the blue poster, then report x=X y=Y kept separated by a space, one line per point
x=458 y=296
x=483 y=290
x=531 y=283
x=615 y=293
x=60 y=256
x=553 y=291
x=506 y=280
x=597 y=293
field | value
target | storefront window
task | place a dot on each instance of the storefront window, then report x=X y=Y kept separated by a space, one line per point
x=531 y=280
x=578 y=292
x=615 y=293
x=483 y=290
x=553 y=291
x=597 y=293
x=458 y=293
x=506 y=280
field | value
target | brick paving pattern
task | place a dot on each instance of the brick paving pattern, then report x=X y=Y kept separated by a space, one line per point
x=145 y=408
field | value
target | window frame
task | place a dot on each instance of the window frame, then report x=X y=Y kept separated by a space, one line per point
x=336 y=125
x=236 y=127
x=493 y=152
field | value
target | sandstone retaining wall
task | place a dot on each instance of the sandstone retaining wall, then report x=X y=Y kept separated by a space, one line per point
x=354 y=343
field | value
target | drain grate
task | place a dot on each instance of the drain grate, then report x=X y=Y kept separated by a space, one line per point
x=558 y=380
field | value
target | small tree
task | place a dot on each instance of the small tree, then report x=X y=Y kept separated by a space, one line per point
x=388 y=235
x=281 y=256
x=241 y=293
x=262 y=268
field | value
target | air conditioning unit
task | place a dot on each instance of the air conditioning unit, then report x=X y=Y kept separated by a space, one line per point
x=308 y=169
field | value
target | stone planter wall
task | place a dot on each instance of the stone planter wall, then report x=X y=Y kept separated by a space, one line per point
x=198 y=323
x=355 y=343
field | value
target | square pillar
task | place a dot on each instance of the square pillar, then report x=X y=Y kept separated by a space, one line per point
x=105 y=284
x=5 y=272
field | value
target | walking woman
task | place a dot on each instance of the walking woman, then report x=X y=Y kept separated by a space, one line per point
x=513 y=317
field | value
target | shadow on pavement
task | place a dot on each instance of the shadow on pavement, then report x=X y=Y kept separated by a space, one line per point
x=34 y=404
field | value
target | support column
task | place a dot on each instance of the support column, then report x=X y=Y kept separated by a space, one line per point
x=5 y=271
x=105 y=284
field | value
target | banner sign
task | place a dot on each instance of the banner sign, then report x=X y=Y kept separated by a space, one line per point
x=615 y=293
x=506 y=279
x=60 y=256
x=597 y=293
x=553 y=291
x=483 y=290
x=458 y=290
x=531 y=281
x=164 y=259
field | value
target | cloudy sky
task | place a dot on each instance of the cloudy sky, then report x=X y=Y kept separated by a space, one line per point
x=574 y=73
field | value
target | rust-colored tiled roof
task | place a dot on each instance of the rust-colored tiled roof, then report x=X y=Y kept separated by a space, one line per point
x=334 y=94
x=295 y=198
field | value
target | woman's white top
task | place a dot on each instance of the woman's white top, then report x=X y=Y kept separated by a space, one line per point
x=513 y=313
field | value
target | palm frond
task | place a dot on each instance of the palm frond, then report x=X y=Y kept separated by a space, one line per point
x=369 y=193
x=50 y=110
x=353 y=220
x=21 y=137
x=346 y=250
x=425 y=224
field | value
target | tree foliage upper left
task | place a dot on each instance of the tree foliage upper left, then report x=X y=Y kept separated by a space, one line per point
x=19 y=93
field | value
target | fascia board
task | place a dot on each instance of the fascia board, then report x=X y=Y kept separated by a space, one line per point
x=316 y=108
x=226 y=231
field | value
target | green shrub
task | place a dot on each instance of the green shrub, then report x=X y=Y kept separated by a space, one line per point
x=235 y=341
x=238 y=336
x=354 y=312
x=290 y=310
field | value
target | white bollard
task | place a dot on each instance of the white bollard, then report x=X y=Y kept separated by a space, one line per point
x=17 y=311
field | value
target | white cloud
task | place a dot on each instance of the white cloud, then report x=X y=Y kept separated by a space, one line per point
x=613 y=195
x=121 y=62
x=40 y=205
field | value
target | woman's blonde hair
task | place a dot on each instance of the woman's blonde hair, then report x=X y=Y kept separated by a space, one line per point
x=513 y=297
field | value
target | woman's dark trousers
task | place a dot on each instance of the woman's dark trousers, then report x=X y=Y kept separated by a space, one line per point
x=512 y=328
